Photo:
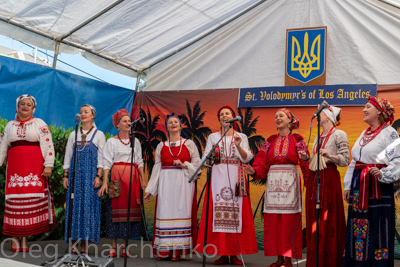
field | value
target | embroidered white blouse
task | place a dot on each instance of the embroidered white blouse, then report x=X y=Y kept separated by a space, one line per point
x=152 y=187
x=114 y=151
x=337 y=144
x=35 y=130
x=99 y=141
x=383 y=149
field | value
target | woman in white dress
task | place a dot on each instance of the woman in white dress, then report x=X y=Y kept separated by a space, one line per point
x=230 y=219
x=175 y=226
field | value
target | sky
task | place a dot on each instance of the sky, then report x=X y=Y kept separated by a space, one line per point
x=77 y=61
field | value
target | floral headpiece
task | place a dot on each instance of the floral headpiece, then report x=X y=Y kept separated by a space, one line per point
x=384 y=106
x=294 y=122
x=118 y=115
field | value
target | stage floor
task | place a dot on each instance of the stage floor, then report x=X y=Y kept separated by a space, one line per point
x=49 y=250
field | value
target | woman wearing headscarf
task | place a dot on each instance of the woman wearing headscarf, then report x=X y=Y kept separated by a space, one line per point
x=27 y=143
x=231 y=229
x=334 y=147
x=175 y=219
x=117 y=155
x=368 y=186
x=277 y=159
x=86 y=210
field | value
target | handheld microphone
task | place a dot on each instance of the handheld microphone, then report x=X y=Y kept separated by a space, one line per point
x=238 y=118
x=77 y=116
x=323 y=105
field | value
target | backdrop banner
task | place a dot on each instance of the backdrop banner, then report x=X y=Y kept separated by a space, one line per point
x=338 y=95
x=59 y=94
x=198 y=112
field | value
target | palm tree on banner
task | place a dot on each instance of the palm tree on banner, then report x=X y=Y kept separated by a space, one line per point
x=149 y=136
x=194 y=128
x=247 y=125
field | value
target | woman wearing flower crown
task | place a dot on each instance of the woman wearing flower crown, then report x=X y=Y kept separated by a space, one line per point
x=86 y=209
x=175 y=219
x=231 y=229
x=117 y=154
x=334 y=147
x=27 y=143
x=277 y=160
x=368 y=186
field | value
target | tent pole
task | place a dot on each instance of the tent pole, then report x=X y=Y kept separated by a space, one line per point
x=138 y=81
x=56 y=54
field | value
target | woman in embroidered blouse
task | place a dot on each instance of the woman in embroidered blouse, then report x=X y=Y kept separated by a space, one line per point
x=368 y=186
x=228 y=187
x=27 y=143
x=334 y=147
x=117 y=154
x=282 y=206
x=87 y=205
x=176 y=161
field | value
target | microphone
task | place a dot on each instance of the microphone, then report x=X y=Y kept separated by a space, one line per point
x=323 y=105
x=141 y=119
x=238 y=118
x=77 y=117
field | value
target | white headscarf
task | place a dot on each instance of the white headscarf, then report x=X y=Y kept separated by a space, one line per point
x=332 y=112
x=22 y=97
x=93 y=111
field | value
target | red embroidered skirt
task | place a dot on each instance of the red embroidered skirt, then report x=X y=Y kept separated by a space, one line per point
x=29 y=208
x=121 y=170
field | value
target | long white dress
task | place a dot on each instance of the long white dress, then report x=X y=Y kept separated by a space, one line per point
x=174 y=213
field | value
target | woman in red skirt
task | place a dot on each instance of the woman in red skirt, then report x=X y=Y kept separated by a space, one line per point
x=282 y=206
x=27 y=143
x=334 y=147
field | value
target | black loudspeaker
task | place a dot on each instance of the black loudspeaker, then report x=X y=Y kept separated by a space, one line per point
x=83 y=260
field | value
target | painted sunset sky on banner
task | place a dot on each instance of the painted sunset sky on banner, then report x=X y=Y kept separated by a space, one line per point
x=198 y=111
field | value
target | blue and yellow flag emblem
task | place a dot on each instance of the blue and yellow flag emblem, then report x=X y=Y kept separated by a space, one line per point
x=305 y=59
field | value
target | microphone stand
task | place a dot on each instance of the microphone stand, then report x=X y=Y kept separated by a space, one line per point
x=72 y=185
x=208 y=184
x=317 y=207
x=132 y=139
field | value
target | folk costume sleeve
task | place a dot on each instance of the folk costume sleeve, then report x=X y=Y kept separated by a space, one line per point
x=69 y=150
x=46 y=143
x=304 y=165
x=390 y=174
x=152 y=186
x=4 y=143
x=261 y=165
x=195 y=159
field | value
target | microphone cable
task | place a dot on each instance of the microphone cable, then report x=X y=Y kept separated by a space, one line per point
x=301 y=214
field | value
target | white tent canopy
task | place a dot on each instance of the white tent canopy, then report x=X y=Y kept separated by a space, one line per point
x=208 y=44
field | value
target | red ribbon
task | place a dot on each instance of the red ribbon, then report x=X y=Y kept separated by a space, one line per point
x=364 y=184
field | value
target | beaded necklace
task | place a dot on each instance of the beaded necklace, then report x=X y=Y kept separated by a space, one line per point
x=224 y=151
x=83 y=136
x=127 y=144
x=369 y=135
x=322 y=146
x=180 y=147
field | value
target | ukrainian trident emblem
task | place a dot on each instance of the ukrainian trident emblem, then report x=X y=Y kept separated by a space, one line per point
x=305 y=59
